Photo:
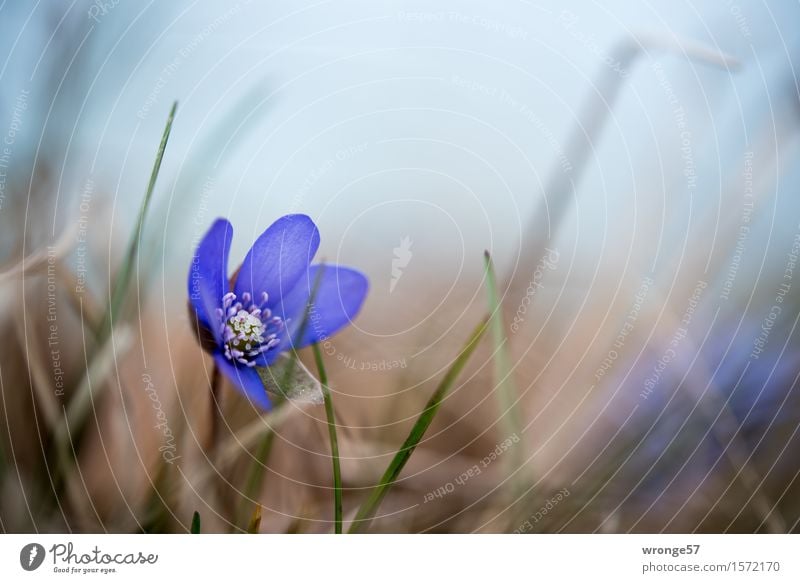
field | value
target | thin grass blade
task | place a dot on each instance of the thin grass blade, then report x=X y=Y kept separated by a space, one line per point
x=78 y=408
x=255 y=478
x=507 y=395
x=126 y=271
x=371 y=504
x=331 y=416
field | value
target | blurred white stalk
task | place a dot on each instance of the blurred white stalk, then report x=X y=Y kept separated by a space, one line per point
x=597 y=107
x=549 y=213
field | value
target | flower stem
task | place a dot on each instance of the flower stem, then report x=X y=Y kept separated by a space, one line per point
x=216 y=412
x=329 y=413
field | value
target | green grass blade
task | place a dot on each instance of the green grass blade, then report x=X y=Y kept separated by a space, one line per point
x=507 y=395
x=329 y=413
x=126 y=272
x=255 y=478
x=195 y=528
x=370 y=505
x=78 y=408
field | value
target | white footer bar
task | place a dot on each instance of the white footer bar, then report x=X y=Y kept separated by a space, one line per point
x=376 y=558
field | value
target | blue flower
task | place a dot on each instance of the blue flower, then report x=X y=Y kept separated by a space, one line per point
x=674 y=439
x=249 y=321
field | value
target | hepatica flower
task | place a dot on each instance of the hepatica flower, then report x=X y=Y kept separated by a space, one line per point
x=759 y=396
x=249 y=321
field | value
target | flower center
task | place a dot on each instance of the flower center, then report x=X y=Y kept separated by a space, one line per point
x=248 y=329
